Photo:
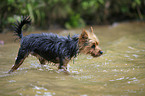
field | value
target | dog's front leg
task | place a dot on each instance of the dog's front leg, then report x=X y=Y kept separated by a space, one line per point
x=63 y=63
x=60 y=63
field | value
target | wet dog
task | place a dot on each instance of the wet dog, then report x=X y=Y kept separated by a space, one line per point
x=53 y=48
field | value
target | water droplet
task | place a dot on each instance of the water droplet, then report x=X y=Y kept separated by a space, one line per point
x=104 y=71
x=47 y=94
x=120 y=78
x=127 y=77
x=130 y=47
x=12 y=81
x=38 y=92
x=40 y=69
x=128 y=82
x=135 y=55
x=131 y=59
x=39 y=88
x=98 y=65
x=76 y=72
x=84 y=95
x=114 y=70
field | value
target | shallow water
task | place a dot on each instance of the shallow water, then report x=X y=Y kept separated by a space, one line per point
x=120 y=71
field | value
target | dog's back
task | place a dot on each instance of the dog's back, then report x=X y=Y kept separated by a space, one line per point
x=50 y=46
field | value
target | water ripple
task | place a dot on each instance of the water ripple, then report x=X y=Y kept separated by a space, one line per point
x=41 y=91
x=130 y=80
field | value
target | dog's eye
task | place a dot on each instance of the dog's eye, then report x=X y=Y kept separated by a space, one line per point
x=97 y=43
x=93 y=46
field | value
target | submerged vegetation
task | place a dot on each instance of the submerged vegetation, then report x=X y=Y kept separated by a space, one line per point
x=70 y=13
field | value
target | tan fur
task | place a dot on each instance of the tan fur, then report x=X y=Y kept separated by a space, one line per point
x=88 y=43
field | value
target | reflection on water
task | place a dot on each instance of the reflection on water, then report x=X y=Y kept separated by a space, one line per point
x=119 y=71
x=41 y=91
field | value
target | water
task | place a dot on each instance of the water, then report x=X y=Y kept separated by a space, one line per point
x=120 y=71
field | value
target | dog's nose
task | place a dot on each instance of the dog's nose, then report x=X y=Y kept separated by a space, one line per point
x=101 y=52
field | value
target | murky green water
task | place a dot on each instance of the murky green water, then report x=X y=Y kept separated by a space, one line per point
x=119 y=72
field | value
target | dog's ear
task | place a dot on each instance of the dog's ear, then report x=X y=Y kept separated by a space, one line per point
x=84 y=34
x=91 y=29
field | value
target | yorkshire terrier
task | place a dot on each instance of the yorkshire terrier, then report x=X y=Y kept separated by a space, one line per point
x=49 y=47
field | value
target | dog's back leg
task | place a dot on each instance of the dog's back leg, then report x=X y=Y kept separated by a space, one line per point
x=22 y=54
x=42 y=61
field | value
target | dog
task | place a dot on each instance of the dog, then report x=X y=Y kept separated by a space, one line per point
x=49 y=47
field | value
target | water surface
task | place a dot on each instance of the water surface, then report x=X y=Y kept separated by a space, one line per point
x=120 y=71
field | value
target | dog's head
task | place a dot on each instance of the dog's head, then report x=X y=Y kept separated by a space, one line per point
x=88 y=43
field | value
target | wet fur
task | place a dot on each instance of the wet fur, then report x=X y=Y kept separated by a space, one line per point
x=53 y=48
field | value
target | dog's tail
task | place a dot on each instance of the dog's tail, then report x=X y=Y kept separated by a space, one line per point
x=18 y=26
